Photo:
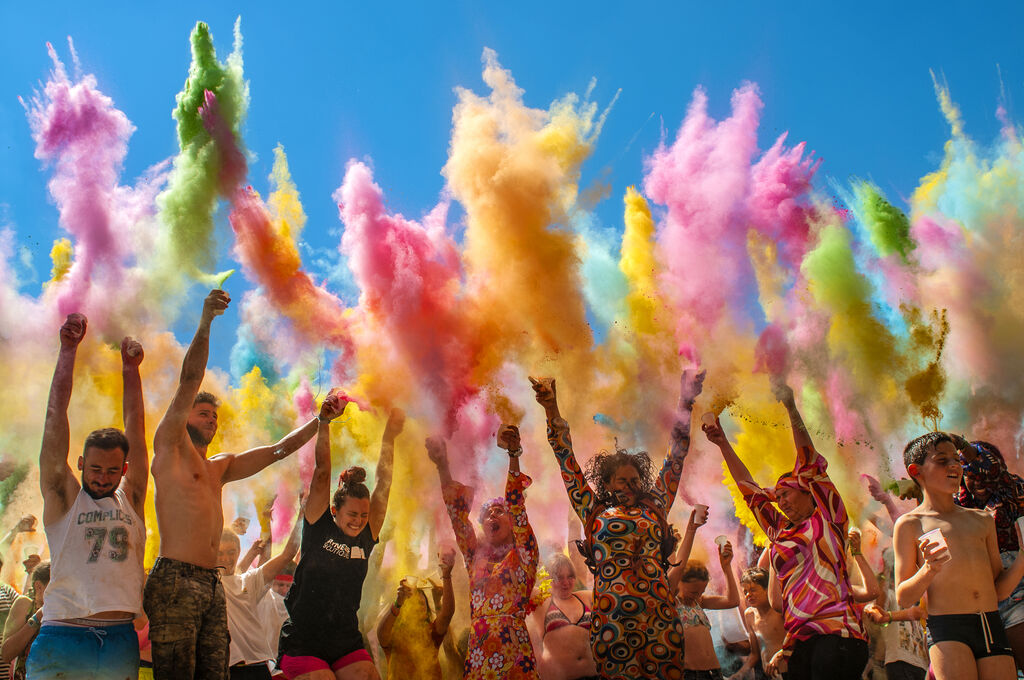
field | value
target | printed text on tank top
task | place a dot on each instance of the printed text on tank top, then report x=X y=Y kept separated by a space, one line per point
x=692 y=615
x=555 y=618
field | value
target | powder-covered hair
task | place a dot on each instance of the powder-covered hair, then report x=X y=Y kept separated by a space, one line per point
x=351 y=483
x=755 y=575
x=602 y=467
x=559 y=561
x=695 y=571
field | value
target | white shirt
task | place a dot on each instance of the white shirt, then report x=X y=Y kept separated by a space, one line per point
x=273 y=614
x=248 y=631
x=96 y=552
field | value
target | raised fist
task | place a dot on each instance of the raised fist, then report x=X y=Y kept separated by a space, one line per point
x=544 y=391
x=73 y=330
x=131 y=352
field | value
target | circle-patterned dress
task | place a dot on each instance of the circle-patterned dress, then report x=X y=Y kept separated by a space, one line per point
x=635 y=630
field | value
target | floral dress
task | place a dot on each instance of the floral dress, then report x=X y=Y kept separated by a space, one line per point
x=500 y=587
x=635 y=631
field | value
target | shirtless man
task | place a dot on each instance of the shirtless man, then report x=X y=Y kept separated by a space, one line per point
x=960 y=570
x=95 y=528
x=184 y=598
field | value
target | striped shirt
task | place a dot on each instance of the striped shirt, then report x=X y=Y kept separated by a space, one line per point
x=7 y=597
x=810 y=557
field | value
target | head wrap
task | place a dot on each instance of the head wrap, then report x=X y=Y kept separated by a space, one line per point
x=1004 y=491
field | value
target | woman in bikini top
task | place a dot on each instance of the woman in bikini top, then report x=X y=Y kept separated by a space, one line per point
x=563 y=620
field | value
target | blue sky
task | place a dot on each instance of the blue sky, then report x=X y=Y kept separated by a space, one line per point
x=376 y=80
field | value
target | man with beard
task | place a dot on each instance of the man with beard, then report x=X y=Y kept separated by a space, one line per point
x=184 y=597
x=95 y=529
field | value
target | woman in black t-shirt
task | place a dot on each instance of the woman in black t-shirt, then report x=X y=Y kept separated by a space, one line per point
x=321 y=637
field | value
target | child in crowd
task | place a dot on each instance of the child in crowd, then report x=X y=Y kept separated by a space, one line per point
x=958 y=567
x=901 y=637
x=700 y=661
x=764 y=624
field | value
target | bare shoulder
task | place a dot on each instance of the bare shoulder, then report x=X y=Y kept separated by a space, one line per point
x=911 y=522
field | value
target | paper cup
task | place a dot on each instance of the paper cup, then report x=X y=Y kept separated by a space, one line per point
x=721 y=540
x=935 y=536
x=700 y=513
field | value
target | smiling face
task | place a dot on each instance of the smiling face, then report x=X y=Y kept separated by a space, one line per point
x=562 y=582
x=941 y=470
x=229 y=551
x=102 y=470
x=496 y=524
x=625 y=483
x=353 y=515
x=202 y=424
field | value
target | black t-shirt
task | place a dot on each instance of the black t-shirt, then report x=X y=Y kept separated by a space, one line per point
x=324 y=598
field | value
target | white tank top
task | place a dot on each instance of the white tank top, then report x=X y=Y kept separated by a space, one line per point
x=96 y=555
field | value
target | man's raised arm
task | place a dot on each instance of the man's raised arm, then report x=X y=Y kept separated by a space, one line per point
x=248 y=463
x=134 y=409
x=56 y=480
x=171 y=429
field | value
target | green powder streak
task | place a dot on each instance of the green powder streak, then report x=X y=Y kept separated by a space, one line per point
x=188 y=203
x=887 y=225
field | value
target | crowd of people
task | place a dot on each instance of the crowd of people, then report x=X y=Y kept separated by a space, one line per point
x=628 y=601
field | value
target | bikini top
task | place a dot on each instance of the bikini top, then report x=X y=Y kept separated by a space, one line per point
x=692 y=615
x=555 y=618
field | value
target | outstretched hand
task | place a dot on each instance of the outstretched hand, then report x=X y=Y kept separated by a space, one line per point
x=782 y=392
x=544 y=392
x=446 y=558
x=332 y=406
x=715 y=433
x=73 y=330
x=395 y=424
x=131 y=352
x=437 y=451
x=508 y=437
x=215 y=304
x=691 y=384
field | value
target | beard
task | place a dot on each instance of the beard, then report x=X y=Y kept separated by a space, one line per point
x=95 y=495
x=197 y=437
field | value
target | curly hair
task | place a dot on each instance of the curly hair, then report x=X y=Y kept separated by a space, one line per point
x=602 y=467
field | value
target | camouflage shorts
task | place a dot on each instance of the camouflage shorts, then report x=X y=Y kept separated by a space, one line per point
x=188 y=621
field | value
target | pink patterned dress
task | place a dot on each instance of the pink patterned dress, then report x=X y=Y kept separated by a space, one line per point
x=500 y=587
x=810 y=557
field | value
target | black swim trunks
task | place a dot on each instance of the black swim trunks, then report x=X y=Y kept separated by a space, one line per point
x=983 y=633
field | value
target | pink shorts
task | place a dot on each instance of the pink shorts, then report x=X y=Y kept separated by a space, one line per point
x=294 y=666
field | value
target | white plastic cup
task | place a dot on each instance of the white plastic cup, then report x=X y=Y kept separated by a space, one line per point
x=700 y=513
x=721 y=540
x=935 y=536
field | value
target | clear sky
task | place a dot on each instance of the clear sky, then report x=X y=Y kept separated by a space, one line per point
x=340 y=80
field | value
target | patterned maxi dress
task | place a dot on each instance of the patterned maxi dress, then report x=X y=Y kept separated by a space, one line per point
x=635 y=631
x=500 y=587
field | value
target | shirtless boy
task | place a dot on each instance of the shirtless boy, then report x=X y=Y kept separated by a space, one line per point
x=963 y=580
x=764 y=624
x=95 y=529
x=184 y=598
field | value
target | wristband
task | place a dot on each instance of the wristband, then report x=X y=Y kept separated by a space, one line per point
x=890 y=618
x=516 y=453
x=322 y=419
x=394 y=610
